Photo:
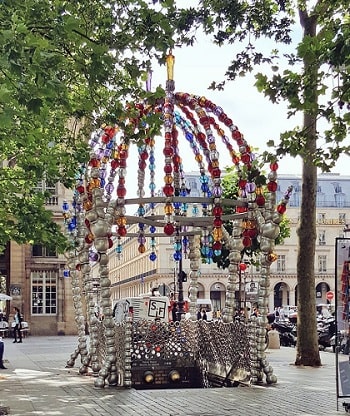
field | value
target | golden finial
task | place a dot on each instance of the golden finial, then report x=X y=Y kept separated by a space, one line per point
x=170 y=60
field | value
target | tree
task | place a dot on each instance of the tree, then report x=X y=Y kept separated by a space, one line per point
x=315 y=64
x=230 y=191
x=64 y=66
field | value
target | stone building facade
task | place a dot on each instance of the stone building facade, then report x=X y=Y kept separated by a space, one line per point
x=132 y=273
x=36 y=280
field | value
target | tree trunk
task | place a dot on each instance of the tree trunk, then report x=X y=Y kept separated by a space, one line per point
x=307 y=339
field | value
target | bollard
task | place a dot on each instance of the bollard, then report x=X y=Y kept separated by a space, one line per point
x=274 y=340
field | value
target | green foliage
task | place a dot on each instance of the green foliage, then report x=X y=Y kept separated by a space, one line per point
x=64 y=66
x=230 y=191
x=317 y=79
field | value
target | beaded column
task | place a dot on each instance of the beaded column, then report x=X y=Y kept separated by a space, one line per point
x=195 y=259
x=236 y=246
x=269 y=230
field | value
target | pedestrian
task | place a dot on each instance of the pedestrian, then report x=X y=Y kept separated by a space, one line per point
x=2 y=367
x=199 y=315
x=277 y=314
x=204 y=315
x=18 y=325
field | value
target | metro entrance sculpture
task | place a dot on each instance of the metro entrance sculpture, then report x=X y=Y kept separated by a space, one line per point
x=129 y=354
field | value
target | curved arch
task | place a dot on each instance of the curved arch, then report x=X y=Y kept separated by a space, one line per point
x=321 y=290
x=281 y=293
x=217 y=296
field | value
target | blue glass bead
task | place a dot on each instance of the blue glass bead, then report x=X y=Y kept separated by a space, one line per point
x=177 y=256
x=141 y=211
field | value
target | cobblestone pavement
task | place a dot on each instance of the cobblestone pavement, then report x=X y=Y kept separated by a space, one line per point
x=36 y=382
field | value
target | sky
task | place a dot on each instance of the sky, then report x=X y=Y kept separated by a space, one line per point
x=256 y=117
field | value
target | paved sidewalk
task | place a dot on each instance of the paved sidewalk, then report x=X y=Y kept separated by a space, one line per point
x=36 y=382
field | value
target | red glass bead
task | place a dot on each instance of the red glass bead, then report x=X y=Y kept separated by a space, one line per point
x=242 y=183
x=168 y=151
x=169 y=229
x=122 y=231
x=217 y=222
x=216 y=173
x=217 y=245
x=245 y=158
x=260 y=200
x=168 y=190
x=274 y=166
x=122 y=163
x=121 y=191
x=168 y=168
x=252 y=233
x=142 y=165
x=281 y=208
x=114 y=164
x=176 y=159
x=95 y=163
x=247 y=241
x=272 y=186
x=217 y=211
x=242 y=267
x=240 y=210
x=123 y=154
x=236 y=134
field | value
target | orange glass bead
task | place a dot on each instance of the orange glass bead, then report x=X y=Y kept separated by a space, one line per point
x=87 y=205
x=141 y=248
x=168 y=179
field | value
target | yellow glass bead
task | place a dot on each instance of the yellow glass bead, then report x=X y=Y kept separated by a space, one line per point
x=217 y=234
x=168 y=209
x=121 y=221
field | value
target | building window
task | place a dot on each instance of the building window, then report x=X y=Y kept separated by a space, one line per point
x=322 y=264
x=44 y=186
x=41 y=251
x=50 y=190
x=44 y=292
x=322 y=237
x=281 y=263
x=321 y=216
